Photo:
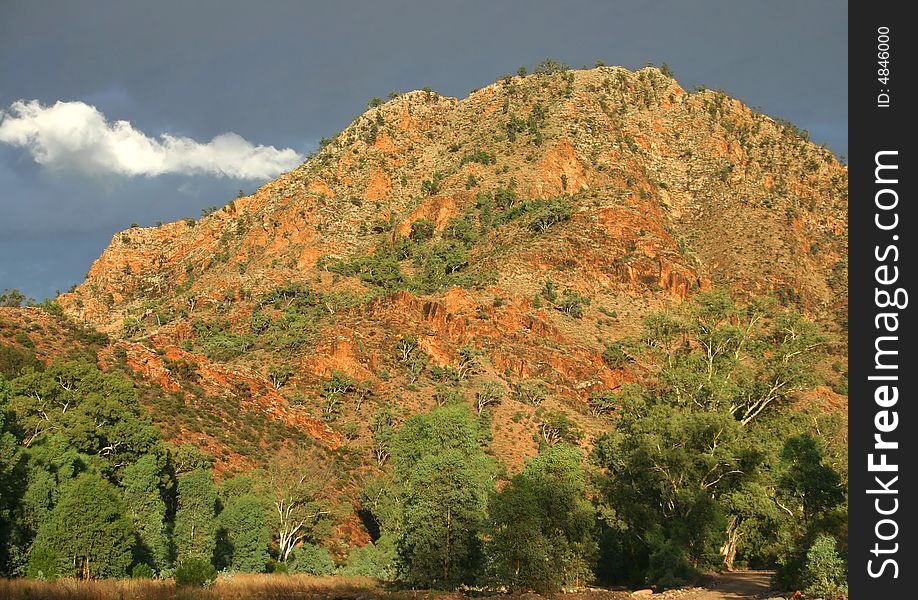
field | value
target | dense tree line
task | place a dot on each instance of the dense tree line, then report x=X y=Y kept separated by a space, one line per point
x=90 y=489
x=706 y=463
x=709 y=462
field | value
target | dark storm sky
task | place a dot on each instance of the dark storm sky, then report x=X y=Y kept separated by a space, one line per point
x=284 y=74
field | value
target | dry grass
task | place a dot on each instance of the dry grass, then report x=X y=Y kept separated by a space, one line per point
x=257 y=587
x=238 y=587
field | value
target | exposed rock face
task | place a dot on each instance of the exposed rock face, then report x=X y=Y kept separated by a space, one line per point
x=677 y=187
x=669 y=192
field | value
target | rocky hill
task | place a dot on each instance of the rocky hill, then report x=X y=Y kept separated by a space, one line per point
x=492 y=249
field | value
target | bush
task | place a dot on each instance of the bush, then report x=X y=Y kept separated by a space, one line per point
x=670 y=567
x=375 y=560
x=430 y=187
x=532 y=393
x=421 y=230
x=616 y=356
x=479 y=156
x=42 y=564
x=572 y=304
x=14 y=360
x=195 y=572
x=311 y=560
x=382 y=225
x=461 y=229
x=23 y=339
x=550 y=291
x=824 y=573
x=278 y=568
x=131 y=326
x=549 y=66
x=142 y=571
x=557 y=210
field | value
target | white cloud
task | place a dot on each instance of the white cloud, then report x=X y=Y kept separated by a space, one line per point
x=76 y=136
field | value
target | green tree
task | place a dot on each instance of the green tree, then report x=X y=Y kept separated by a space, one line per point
x=440 y=265
x=334 y=389
x=489 y=393
x=49 y=458
x=13 y=298
x=312 y=560
x=556 y=428
x=824 y=574
x=461 y=229
x=147 y=510
x=195 y=532
x=43 y=564
x=445 y=478
x=421 y=230
x=669 y=468
x=532 y=392
x=243 y=524
x=382 y=429
x=616 y=355
x=97 y=413
x=14 y=361
x=551 y=213
x=550 y=66
x=376 y=559
x=691 y=463
x=541 y=527
x=51 y=466
x=88 y=531
x=296 y=486
x=745 y=359
x=188 y=457
x=572 y=304
x=279 y=375
x=12 y=475
x=814 y=486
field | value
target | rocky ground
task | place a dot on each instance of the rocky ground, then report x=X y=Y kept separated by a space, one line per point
x=737 y=585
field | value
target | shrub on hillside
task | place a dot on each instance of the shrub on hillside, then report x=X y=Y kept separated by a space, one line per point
x=544 y=216
x=421 y=230
x=572 y=304
x=616 y=356
x=14 y=360
x=479 y=156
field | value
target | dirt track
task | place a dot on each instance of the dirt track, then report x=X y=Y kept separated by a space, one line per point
x=738 y=585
